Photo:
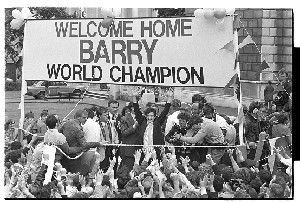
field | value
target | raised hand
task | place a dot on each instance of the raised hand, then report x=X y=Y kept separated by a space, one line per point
x=69 y=179
x=99 y=177
x=57 y=176
x=113 y=162
x=137 y=155
x=203 y=182
x=82 y=180
x=174 y=177
x=239 y=155
x=210 y=180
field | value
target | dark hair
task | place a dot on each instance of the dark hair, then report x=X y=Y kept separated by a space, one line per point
x=226 y=173
x=243 y=173
x=29 y=115
x=51 y=121
x=79 y=113
x=208 y=109
x=112 y=102
x=198 y=98
x=176 y=104
x=265 y=176
x=8 y=123
x=270 y=82
x=282 y=117
x=15 y=145
x=44 y=113
x=90 y=113
x=149 y=110
x=276 y=190
x=218 y=183
x=195 y=119
x=80 y=195
x=253 y=105
x=13 y=155
x=124 y=110
x=256 y=184
x=284 y=175
x=184 y=115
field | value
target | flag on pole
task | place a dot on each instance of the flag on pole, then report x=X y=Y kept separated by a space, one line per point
x=247 y=40
x=271 y=160
x=229 y=46
x=264 y=65
x=236 y=22
x=231 y=82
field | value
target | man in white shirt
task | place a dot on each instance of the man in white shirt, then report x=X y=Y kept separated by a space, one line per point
x=92 y=133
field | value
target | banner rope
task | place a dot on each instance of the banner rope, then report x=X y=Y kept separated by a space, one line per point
x=184 y=146
x=263 y=57
x=77 y=102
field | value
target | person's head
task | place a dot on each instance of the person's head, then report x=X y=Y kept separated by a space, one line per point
x=255 y=107
x=241 y=193
x=9 y=124
x=176 y=104
x=208 y=110
x=265 y=176
x=195 y=122
x=196 y=98
x=282 y=118
x=44 y=115
x=15 y=145
x=270 y=82
x=150 y=114
x=81 y=115
x=256 y=184
x=194 y=109
x=113 y=106
x=126 y=110
x=51 y=121
x=155 y=106
x=282 y=75
x=183 y=118
x=83 y=195
x=276 y=191
x=218 y=183
x=90 y=113
x=226 y=173
x=243 y=174
x=285 y=176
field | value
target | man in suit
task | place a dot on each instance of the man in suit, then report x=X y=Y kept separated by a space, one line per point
x=129 y=131
x=150 y=125
x=113 y=122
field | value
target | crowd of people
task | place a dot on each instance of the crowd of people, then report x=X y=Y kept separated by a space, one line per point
x=174 y=151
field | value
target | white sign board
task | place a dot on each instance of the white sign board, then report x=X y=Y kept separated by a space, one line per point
x=145 y=51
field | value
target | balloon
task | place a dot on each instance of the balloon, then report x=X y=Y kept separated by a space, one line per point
x=116 y=12
x=26 y=13
x=16 y=13
x=199 y=13
x=106 y=12
x=208 y=14
x=230 y=11
x=106 y=22
x=16 y=23
x=220 y=13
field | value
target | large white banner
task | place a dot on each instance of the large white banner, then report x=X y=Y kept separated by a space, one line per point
x=150 y=51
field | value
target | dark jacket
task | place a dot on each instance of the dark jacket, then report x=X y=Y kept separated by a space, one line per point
x=158 y=136
x=252 y=128
x=38 y=183
x=130 y=135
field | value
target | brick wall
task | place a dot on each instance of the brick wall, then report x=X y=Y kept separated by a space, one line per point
x=271 y=29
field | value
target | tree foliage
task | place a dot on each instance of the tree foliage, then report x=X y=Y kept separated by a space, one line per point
x=169 y=12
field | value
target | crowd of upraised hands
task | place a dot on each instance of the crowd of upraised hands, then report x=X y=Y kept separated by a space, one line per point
x=149 y=178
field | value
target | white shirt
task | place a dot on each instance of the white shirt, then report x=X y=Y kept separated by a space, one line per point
x=148 y=135
x=171 y=121
x=92 y=131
